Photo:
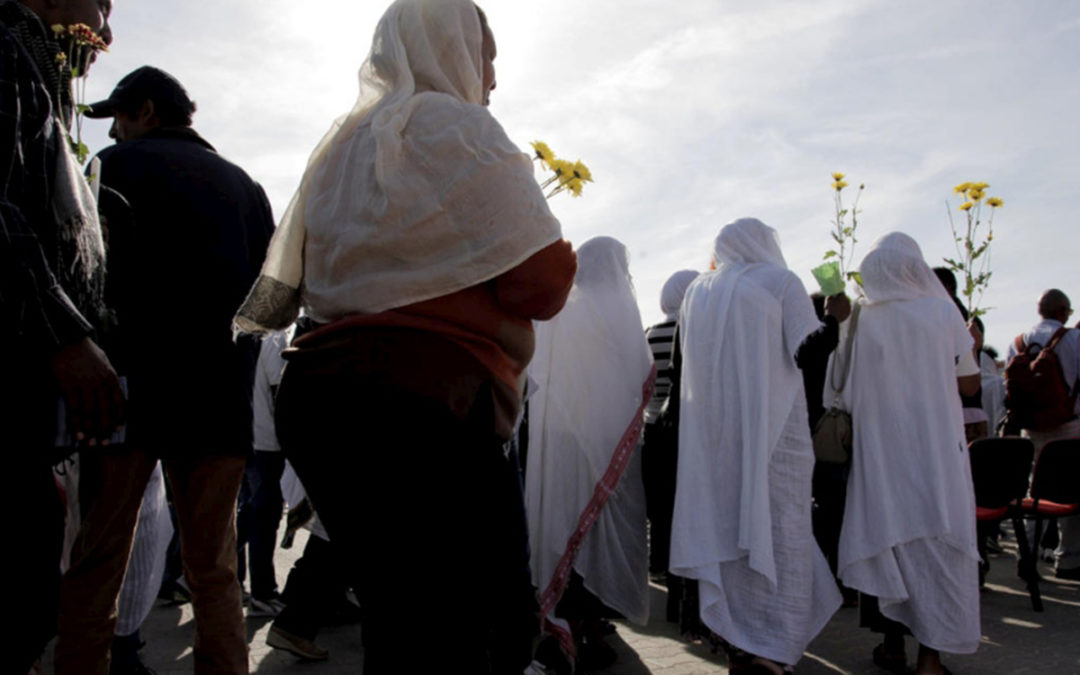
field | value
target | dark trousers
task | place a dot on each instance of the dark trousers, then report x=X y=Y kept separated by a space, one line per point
x=830 y=494
x=35 y=531
x=425 y=509
x=314 y=590
x=659 y=467
x=111 y=487
x=257 y=520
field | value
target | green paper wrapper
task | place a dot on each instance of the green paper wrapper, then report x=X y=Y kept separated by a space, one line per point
x=828 y=278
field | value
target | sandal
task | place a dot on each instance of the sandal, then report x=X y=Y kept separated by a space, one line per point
x=894 y=663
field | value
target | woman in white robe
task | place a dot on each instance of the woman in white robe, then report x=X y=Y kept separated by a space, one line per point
x=584 y=494
x=742 y=523
x=909 y=524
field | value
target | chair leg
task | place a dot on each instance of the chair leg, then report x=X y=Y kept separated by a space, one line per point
x=1033 y=576
x=1026 y=568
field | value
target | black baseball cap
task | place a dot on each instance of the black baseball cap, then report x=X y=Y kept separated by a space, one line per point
x=139 y=85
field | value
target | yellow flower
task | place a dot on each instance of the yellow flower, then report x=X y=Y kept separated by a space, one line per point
x=543 y=153
x=961 y=188
x=575 y=185
x=58 y=29
x=994 y=202
x=838 y=176
x=840 y=185
x=975 y=195
x=966 y=206
x=979 y=186
x=581 y=171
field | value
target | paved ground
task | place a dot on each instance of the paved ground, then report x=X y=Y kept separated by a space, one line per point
x=1015 y=638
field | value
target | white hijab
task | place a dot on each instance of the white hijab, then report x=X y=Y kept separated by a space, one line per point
x=740 y=328
x=671 y=296
x=414 y=194
x=591 y=363
x=910 y=476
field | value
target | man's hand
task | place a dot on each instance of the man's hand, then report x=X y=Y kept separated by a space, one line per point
x=976 y=335
x=91 y=390
x=838 y=306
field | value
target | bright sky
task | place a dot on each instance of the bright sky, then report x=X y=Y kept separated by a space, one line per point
x=691 y=114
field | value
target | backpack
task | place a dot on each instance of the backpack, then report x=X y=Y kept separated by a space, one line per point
x=1036 y=394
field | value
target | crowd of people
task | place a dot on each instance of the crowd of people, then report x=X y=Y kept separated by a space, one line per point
x=460 y=406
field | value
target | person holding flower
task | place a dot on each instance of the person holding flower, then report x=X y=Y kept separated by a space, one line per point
x=51 y=299
x=422 y=247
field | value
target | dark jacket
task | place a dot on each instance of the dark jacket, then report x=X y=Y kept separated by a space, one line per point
x=178 y=272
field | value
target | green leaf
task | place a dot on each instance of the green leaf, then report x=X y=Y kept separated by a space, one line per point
x=836 y=238
x=82 y=108
x=83 y=152
x=830 y=254
x=855 y=276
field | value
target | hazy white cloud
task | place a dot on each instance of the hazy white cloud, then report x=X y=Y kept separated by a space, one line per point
x=694 y=113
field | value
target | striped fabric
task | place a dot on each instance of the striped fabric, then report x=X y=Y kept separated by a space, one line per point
x=661 y=338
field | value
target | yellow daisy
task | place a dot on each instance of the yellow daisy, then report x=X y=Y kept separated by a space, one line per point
x=838 y=176
x=961 y=188
x=966 y=206
x=994 y=202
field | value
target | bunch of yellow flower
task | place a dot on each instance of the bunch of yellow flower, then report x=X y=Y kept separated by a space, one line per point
x=973 y=254
x=568 y=176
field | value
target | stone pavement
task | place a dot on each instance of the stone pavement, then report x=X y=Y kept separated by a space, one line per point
x=1015 y=638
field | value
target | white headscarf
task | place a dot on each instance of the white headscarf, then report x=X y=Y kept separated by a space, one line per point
x=674 y=290
x=894 y=269
x=739 y=383
x=414 y=194
x=591 y=362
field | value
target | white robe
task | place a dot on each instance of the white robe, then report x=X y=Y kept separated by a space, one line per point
x=742 y=523
x=590 y=365
x=909 y=522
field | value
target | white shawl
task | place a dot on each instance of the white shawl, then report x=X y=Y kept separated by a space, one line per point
x=910 y=476
x=591 y=363
x=740 y=327
x=414 y=194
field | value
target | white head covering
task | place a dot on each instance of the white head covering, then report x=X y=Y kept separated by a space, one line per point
x=894 y=269
x=591 y=363
x=414 y=194
x=674 y=290
x=740 y=328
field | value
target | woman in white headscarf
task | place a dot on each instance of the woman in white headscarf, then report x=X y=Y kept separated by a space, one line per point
x=584 y=495
x=742 y=524
x=422 y=247
x=658 y=451
x=909 y=524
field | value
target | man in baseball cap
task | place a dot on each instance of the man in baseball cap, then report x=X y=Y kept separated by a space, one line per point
x=147 y=97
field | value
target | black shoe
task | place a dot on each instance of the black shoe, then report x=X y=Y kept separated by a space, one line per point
x=1071 y=574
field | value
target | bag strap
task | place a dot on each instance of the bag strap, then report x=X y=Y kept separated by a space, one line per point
x=1060 y=333
x=848 y=344
x=1018 y=344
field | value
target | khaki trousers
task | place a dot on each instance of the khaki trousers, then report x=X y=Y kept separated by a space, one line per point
x=204 y=491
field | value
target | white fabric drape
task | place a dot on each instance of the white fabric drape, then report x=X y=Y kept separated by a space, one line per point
x=909 y=524
x=414 y=194
x=591 y=362
x=742 y=503
x=146 y=565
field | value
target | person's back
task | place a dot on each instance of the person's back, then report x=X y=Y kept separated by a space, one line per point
x=202 y=227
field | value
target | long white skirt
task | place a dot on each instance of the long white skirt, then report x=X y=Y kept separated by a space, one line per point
x=740 y=604
x=927 y=585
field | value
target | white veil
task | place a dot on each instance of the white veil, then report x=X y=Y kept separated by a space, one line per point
x=415 y=193
x=673 y=292
x=591 y=363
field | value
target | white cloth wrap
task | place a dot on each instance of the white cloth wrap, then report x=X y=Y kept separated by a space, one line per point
x=414 y=194
x=591 y=361
x=146 y=565
x=742 y=510
x=909 y=523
